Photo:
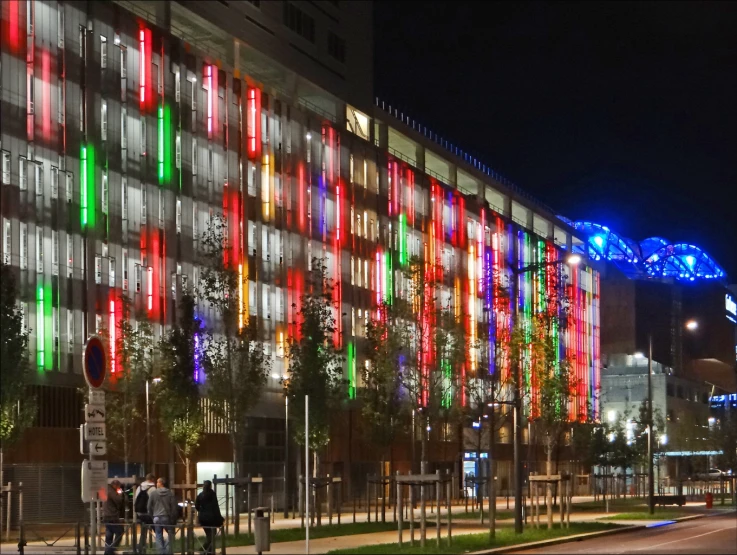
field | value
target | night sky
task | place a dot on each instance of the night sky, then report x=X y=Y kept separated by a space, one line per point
x=621 y=113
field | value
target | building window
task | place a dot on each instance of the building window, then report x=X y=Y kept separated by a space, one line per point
x=39 y=250
x=23 y=173
x=70 y=256
x=179 y=215
x=679 y=391
x=124 y=197
x=178 y=147
x=69 y=186
x=123 y=127
x=103 y=52
x=54 y=182
x=6 y=168
x=104 y=192
x=336 y=47
x=60 y=104
x=6 y=241
x=23 y=246
x=60 y=25
x=111 y=272
x=299 y=22
x=98 y=270
x=144 y=208
x=125 y=269
x=55 y=252
x=669 y=390
x=38 y=178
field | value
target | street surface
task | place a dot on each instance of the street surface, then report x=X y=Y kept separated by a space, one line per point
x=709 y=535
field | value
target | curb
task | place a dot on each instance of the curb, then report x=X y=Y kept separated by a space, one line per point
x=577 y=537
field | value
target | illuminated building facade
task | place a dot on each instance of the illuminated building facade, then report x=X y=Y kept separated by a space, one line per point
x=121 y=139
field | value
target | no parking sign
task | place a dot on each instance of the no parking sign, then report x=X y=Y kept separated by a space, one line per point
x=93 y=362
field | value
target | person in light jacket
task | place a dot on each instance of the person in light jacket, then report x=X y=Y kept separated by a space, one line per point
x=163 y=508
x=112 y=512
x=140 y=505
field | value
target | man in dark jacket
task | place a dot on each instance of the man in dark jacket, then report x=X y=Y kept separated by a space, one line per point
x=208 y=513
x=163 y=508
x=112 y=512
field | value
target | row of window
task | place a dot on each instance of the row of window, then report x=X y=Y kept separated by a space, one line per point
x=304 y=25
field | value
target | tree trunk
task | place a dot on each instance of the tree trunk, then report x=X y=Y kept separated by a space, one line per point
x=236 y=489
x=549 y=488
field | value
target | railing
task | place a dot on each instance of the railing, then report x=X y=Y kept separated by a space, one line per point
x=469 y=159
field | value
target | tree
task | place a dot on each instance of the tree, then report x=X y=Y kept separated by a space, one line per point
x=234 y=360
x=315 y=363
x=434 y=347
x=134 y=365
x=17 y=410
x=723 y=437
x=383 y=408
x=177 y=395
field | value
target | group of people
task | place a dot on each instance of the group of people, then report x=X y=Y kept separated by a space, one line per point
x=156 y=507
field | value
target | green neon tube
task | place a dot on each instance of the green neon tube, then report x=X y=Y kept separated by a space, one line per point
x=160 y=152
x=48 y=312
x=40 y=346
x=402 y=239
x=351 y=356
x=87 y=189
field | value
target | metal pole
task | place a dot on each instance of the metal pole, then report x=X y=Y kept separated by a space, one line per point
x=517 y=418
x=148 y=431
x=286 y=452
x=650 y=482
x=307 y=474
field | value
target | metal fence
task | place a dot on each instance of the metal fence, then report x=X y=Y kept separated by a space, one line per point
x=51 y=493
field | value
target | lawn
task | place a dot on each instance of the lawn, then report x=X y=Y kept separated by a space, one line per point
x=660 y=514
x=505 y=536
x=476 y=515
x=316 y=532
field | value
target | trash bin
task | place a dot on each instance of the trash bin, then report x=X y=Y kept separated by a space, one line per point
x=709 y=498
x=262 y=530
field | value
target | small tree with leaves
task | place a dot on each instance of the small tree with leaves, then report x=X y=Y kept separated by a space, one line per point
x=134 y=345
x=383 y=408
x=177 y=395
x=234 y=359
x=315 y=363
x=17 y=409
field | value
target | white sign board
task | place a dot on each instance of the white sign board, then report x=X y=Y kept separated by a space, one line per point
x=98 y=448
x=97 y=397
x=95 y=432
x=94 y=480
x=94 y=413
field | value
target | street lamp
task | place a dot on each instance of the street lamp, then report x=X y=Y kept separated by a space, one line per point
x=691 y=325
x=572 y=259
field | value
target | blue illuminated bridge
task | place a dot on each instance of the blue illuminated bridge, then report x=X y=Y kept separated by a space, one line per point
x=653 y=257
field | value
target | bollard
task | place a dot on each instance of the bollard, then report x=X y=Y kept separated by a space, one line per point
x=77 y=539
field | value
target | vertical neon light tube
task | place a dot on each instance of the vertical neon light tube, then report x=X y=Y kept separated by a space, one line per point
x=40 y=329
x=240 y=296
x=351 y=358
x=142 y=66
x=402 y=239
x=87 y=189
x=150 y=288
x=111 y=328
x=160 y=152
x=208 y=76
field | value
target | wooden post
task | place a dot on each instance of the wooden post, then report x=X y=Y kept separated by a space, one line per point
x=549 y=501
x=448 y=496
x=248 y=502
x=562 y=493
x=368 y=503
x=227 y=504
x=302 y=504
x=568 y=505
x=329 y=494
x=437 y=503
x=411 y=515
x=398 y=502
x=423 y=515
x=492 y=499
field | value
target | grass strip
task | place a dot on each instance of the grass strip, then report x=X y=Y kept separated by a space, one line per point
x=505 y=536
x=645 y=515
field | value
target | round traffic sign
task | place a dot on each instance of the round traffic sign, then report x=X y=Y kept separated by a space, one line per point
x=93 y=362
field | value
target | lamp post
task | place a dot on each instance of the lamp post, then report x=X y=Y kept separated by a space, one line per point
x=573 y=259
x=691 y=325
x=286 y=452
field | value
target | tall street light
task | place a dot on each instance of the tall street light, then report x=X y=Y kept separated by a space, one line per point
x=572 y=260
x=691 y=325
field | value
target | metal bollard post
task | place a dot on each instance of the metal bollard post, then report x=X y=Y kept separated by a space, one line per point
x=77 y=542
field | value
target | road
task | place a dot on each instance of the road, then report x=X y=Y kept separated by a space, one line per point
x=709 y=535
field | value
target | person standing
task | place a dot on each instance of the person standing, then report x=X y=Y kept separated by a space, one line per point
x=163 y=508
x=112 y=512
x=140 y=505
x=208 y=513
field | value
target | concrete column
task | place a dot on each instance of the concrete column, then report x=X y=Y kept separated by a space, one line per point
x=420 y=157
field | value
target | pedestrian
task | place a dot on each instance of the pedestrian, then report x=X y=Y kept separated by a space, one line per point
x=112 y=512
x=208 y=513
x=140 y=505
x=163 y=508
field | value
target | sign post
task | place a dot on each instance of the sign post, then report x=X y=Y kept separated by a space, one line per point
x=94 y=472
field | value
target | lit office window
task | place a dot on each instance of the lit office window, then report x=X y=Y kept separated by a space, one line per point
x=23 y=173
x=39 y=250
x=54 y=182
x=103 y=52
